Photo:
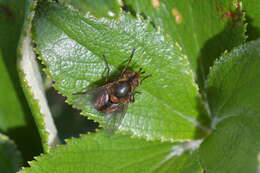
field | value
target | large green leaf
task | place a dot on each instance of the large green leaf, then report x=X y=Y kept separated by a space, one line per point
x=234 y=96
x=203 y=28
x=99 y=8
x=32 y=83
x=15 y=116
x=101 y=152
x=252 y=10
x=10 y=157
x=72 y=46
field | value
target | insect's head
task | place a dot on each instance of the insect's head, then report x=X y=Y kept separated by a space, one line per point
x=135 y=78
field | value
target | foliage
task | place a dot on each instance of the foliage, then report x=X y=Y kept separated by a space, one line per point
x=197 y=112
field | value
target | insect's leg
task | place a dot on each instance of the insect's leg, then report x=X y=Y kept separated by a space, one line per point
x=79 y=93
x=132 y=98
x=141 y=71
x=128 y=62
x=145 y=77
x=137 y=92
x=107 y=69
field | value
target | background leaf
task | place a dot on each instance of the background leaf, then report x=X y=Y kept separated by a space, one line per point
x=15 y=115
x=203 y=28
x=11 y=113
x=32 y=83
x=98 y=8
x=74 y=61
x=10 y=157
x=232 y=85
x=233 y=92
x=252 y=11
x=101 y=152
x=233 y=147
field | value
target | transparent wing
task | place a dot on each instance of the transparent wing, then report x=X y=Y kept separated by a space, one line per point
x=85 y=101
x=88 y=96
x=115 y=119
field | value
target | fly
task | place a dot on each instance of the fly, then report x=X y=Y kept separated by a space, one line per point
x=114 y=97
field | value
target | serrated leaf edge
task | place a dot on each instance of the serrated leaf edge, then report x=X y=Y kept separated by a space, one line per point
x=48 y=137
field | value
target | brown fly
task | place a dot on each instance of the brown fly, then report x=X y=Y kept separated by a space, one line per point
x=112 y=98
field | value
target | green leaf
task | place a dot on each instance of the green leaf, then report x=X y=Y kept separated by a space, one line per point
x=99 y=8
x=32 y=83
x=233 y=92
x=101 y=152
x=203 y=28
x=11 y=111
x=185 y=163
x=234 y=146
x=72 y=46
x=233 y=85
x=10 y=157
x=15 y=116
x=11 y=20
x=252 y=11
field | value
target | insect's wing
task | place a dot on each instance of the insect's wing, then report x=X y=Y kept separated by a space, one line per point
x=85 y=101
x=115 y=119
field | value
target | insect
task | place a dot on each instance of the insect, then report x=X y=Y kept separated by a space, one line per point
x=112 y=98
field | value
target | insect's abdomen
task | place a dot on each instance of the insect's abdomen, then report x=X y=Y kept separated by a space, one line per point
x=103 y=104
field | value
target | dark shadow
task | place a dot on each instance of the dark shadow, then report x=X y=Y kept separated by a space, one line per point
x=27 y=141
x=27 y=138
x=5 y=11
x=68 y=121
x=130 y=9
x=253 y=32
x=213 y=49
x=204 y=121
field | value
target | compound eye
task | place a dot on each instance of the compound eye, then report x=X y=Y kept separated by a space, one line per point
x=122 y=89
